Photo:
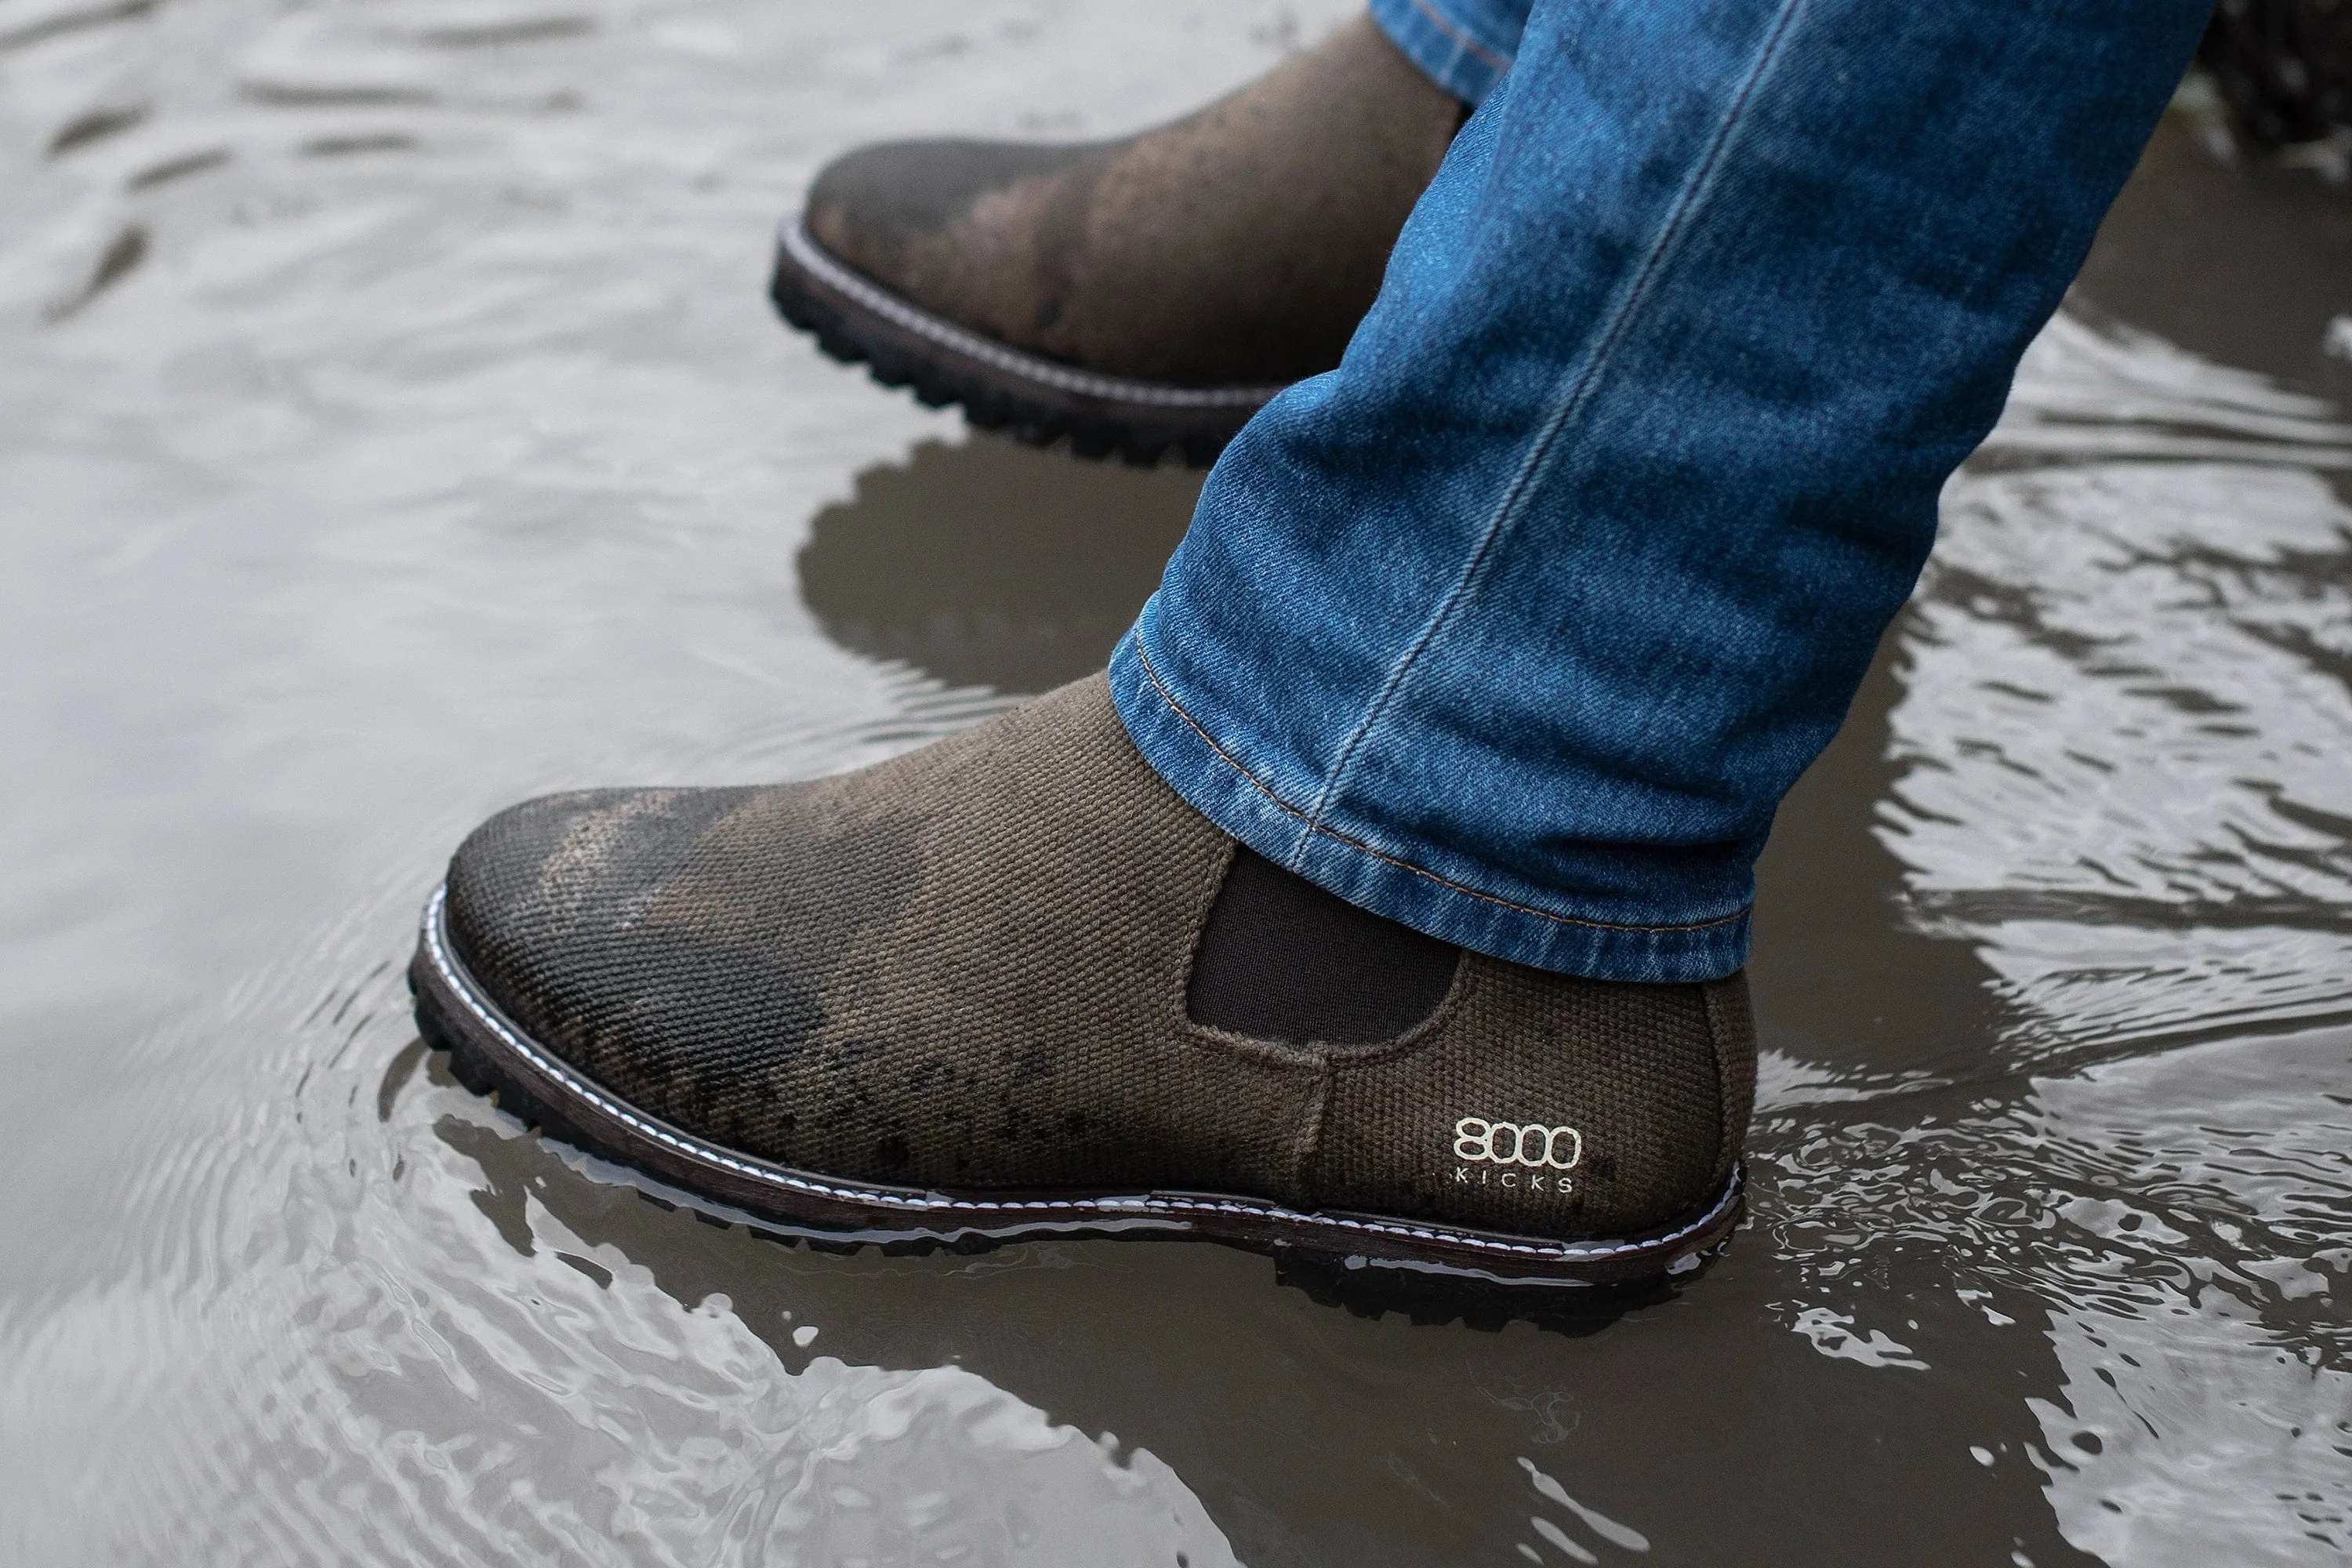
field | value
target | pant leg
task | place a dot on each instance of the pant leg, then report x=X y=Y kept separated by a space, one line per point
x=1517 y=626
x=1463 y=46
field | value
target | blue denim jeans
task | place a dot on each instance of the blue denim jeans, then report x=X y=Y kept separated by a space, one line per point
x=1464 y=45
x=1518 y=625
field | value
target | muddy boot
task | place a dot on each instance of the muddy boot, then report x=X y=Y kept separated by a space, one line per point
x=1010 y=986
x=1134 y=295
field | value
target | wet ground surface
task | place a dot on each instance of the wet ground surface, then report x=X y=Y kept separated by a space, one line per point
x=391 y=427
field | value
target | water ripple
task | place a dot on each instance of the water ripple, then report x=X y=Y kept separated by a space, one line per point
x=2125 y=708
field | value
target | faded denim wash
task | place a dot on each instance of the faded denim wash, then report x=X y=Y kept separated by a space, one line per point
x=1518 y=625
x=1463 y=46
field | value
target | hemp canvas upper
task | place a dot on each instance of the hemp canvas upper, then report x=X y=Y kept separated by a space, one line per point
x=965 y=969
x=1239 y=244
x=1144 y=295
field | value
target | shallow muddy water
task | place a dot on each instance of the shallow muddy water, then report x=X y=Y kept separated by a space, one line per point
x=391 y=426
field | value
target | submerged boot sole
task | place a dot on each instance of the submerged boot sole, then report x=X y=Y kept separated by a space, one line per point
x=491 y=1056
x=855 y=319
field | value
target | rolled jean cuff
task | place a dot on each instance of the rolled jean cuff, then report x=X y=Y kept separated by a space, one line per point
x=1463 y=46
x=1182 y=749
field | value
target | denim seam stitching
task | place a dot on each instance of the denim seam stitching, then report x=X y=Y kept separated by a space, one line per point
x=1461 y=39
x=1505 y=510
x=1169 y=698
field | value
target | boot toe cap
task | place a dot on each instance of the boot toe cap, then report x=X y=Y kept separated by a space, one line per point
x=542 y=896
x=869 y=206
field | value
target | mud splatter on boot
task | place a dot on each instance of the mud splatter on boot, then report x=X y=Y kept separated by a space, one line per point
x=961 y=994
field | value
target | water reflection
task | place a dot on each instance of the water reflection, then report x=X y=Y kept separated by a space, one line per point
x=985 y=562
x=2238 y=260
x=2130 y=698
x=2119 y=747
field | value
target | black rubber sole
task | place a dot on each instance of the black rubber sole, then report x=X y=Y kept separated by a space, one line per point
x=490 y=1055
x=1036 y=400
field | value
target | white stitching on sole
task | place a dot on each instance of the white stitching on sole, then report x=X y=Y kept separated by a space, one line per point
x=803 y=248
x=461 y=987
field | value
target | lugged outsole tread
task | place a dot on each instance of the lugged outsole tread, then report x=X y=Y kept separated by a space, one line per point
x=986 y=405
x=1328 y=1280
x=1412 y=1280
